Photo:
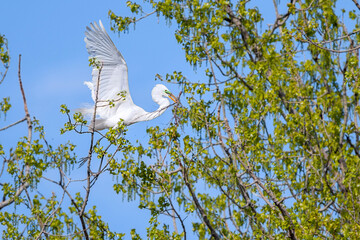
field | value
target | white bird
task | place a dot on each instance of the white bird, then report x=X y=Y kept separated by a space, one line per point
x=114 y=100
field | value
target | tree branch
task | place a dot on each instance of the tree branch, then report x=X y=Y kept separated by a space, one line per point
x=197 y=204
x=89 y=173
x=25 y=184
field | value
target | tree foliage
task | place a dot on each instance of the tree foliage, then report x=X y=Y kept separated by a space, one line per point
x=4 y=56
x=264 y=145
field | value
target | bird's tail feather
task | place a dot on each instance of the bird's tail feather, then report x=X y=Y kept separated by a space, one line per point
x=100 y=123
x=87 y=112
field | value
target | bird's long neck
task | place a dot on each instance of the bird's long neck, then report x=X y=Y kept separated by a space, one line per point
x=163 y=105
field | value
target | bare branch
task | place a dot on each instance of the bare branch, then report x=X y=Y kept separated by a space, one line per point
x=356 y=3
x=13 y=124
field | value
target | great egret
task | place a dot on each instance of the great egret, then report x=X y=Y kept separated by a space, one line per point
x=114 y=100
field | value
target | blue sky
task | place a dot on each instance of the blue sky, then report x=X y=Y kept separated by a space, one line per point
x=50 y=37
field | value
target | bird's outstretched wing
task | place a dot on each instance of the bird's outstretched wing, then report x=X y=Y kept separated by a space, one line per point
x=113 y=85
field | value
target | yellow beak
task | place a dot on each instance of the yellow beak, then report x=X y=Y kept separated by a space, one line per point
x=172 y=97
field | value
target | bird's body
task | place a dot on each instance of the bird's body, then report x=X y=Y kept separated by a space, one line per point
x=113 y=100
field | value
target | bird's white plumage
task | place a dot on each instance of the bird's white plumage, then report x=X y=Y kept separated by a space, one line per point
x=114 y=73
x=114 y=81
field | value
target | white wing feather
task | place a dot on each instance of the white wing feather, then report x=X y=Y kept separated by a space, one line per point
x=114 y=73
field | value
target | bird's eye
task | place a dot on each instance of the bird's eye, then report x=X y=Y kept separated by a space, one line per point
x=167 y=92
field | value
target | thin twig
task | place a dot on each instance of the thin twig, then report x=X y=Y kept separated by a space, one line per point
x=140 y=18
x=4 y=74
x=179 y=217
x=13 y=124
x=89 y=173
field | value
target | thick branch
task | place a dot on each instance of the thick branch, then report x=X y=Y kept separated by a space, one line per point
x=197 y=203
x=356 y=3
